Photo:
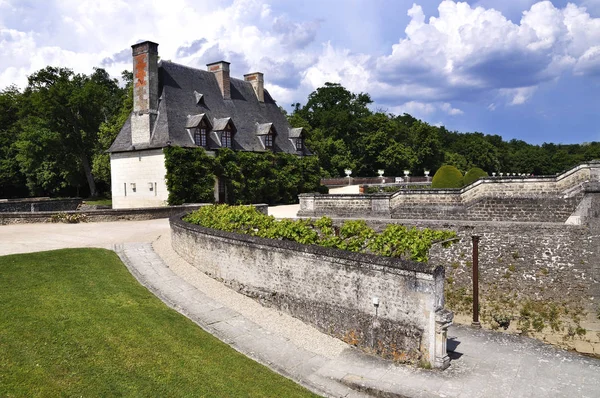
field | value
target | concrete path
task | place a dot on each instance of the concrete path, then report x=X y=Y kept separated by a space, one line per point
x=485 y=364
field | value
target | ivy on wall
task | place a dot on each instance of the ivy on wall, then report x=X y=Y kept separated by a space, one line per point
x=249 y=177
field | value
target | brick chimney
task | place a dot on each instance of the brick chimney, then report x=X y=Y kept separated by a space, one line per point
x=221 y=71
x=258 y=84
x=145 y=91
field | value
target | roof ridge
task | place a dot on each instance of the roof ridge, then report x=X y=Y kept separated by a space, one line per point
x=196 y=69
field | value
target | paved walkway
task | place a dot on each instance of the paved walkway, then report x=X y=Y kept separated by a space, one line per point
x=485 y=364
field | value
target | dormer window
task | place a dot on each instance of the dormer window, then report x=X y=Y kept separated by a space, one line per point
x=200 y=135
x=223 y=132
x=198 y=127
x=266 y=134
x=297 y=138
x=226 y=139
x=269 y=141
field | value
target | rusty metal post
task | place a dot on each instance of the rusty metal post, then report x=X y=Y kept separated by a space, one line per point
x=475 y=322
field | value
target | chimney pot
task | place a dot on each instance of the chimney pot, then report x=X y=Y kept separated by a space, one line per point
x=221 y=71
x=145 y=91
x=257 y=81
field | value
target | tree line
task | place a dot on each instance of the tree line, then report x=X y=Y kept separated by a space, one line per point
x=346 y=134
x=54 y=134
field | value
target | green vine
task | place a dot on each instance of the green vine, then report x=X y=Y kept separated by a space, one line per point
x=353 y=235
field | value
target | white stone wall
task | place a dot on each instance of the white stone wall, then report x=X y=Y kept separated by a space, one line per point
x=140 y=168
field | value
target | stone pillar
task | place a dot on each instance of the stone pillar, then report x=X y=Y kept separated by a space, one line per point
x=307 y=204
x=221 y=71
x=443 y=320
x=145 y=91
x=257 y=81
x=380 y=205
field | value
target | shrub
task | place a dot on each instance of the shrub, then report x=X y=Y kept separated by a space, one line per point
x=447 y=177
x=71 y=218
x=353 y=235
x=473 y=175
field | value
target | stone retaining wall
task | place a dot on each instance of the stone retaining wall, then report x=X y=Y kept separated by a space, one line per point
x=333 y=290
x=104 y=215
x=38 y=204
x=549 y=199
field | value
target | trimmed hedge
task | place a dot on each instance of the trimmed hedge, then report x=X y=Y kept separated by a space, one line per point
x=273 y=178
x=353 y=235
x=473 y=175
x=447 y=177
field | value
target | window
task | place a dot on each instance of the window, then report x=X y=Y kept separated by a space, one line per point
x=226 y=138
x=269 y=141
x=299 y=144
x=200 y=135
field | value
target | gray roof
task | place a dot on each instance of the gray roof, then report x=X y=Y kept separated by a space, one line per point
x=296 y=132
x=264 y=128
x=194 y=120
x=179 y=88
x=220 y=124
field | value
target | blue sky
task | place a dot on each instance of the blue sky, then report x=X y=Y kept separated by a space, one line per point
x=522 y=69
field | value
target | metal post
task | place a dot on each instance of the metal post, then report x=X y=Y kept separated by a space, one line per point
x=475 y=322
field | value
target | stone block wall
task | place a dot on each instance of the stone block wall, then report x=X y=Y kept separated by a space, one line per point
x=333 y=290
x=38 y=204
x=548 y=199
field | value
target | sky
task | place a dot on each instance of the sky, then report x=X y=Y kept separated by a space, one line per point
x=522 y=69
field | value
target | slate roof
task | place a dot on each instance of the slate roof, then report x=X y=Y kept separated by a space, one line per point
x=181 y=106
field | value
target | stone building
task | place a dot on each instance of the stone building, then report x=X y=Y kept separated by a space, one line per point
x=178 y=105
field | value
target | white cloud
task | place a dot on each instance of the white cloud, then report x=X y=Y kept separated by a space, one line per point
x=465 y=53
x=446 y=107
x=519 y=95
x=470 y=53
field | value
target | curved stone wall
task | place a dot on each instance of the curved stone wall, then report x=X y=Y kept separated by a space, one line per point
x=390 y=307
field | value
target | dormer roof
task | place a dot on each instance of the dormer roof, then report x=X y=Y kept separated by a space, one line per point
x=188 y=93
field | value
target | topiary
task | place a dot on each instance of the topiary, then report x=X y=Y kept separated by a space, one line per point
x=473 y=175
x=447 y=177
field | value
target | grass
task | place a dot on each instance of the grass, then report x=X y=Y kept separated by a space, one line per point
x=76 y=323
x=98 y=201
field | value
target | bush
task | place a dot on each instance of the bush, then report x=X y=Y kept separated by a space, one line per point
x=447 y=177
x=353 y=235
x=473 y=175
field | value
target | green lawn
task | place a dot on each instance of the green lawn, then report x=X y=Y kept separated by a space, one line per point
x=75 y=323
x=98 y=201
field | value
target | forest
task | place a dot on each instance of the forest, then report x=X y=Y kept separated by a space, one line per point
x=54 y=134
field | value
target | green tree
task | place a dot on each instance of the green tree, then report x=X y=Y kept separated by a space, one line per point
x=12 y=181
x=39 y=152
x=109 y=130
x=73 y=106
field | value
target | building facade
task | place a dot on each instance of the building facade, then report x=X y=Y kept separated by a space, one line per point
x=176 y=105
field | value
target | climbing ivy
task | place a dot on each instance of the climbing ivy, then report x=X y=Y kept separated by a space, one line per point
x=272 y=178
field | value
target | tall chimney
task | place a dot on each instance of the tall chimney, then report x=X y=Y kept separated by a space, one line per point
x=258 y=84
x=145 y=91
x=221 y=71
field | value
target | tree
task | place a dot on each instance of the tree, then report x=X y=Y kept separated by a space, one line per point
x=73 y=106
x=109 y=130
x=12 y=181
